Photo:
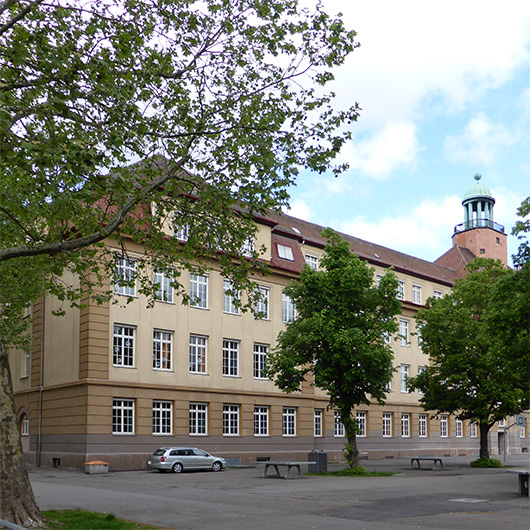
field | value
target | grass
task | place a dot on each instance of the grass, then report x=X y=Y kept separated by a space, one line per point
x=82 y=520
x=486 y=462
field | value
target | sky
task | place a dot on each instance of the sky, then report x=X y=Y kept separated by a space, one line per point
x=444 y=89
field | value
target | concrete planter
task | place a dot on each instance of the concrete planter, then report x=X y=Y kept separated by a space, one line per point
x=96 y=467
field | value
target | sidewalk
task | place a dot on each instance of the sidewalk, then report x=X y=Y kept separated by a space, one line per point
x=457 y=497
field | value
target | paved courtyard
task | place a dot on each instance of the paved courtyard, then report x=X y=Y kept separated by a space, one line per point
x=457 y=497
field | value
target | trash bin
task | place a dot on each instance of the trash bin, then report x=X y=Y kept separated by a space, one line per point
x=320 y=458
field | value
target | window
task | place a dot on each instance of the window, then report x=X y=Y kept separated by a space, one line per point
x=162 y=417
x=125 y=276
x=248 y=246
x=423 y=426
x=230 y=420
x=26 y=367
x=24 y=425
x=122 y=416
x=416 y=294
x=261 y=307
x=287 y=309
x=230 y=357
x=197 y=354
x=405 y=425
x=198 y=291
x=339 y=426
x=198 y=414
x=123 y=346
x=162 y=349
x=261 y=421
x=164 y=289
x=437 y=294
x=312 y=261
x=443 y=426
x=401 y=290
x=285 y=252
x=404 y=332
x=318 y=422
x=404 y=378
x=502 y=423
x=387 y=424
x=473 y=429
x=458 y=428
x=361 y=423
x=418 y=334
x=289 y=421
x=182 y=230
x=378 y=279
x=230 y=297
x=260 y=360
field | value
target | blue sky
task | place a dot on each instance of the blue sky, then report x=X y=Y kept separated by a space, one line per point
x=445 y=93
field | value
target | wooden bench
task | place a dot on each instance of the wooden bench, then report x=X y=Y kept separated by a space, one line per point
x=426 y=459
x=524 y=475
x=288 y=465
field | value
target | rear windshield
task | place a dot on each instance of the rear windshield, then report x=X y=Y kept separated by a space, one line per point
x=159 y=452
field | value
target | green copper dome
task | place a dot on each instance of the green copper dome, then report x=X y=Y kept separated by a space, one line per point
x=478 y=190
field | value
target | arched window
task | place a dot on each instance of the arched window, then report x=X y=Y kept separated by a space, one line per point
x=24 y=425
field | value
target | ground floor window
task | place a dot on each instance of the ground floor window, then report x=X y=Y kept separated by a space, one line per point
x=405 y=425
x=361 y=423
x=339 y=426
x=387 y=424
x=230 y=420
x=198 y=416
x=122 y=416
x=422 y=426
x=261 y=421
x=473 y=429
x=444 y=433
x=459 y=432
x=289 y=421
x=162 y=417
x=24 y=425
x=318 y=422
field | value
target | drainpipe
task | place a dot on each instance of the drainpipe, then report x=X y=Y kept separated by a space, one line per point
x=41 y=385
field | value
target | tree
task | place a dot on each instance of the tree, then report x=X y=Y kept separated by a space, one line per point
x=339 y=334
x=478 y=341
x=223 y=101
x=521 y=228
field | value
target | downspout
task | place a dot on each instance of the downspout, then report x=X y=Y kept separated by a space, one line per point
x=41 y=384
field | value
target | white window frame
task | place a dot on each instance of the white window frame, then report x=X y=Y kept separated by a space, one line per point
x=312 y=261
x=123 y=412
x=26 y=366
x=230 y=358
x=231 y=420
x=404 y=377
x=444 y=426
x=123 y=353
x=473 y=429
x=289 y=422
x=261 y=306
x=404 y=333
x=339 y=430
x=164 y=291
x=400 y=294
x=198 y=354
x=248 y=247
x=288 y=310
x=198 y=291
x=405 y=425
x=198 y=419
x=261 y=421
x=416 y=294
x=162 y=350
x=261 y=352
x=24 y=425
x=362 y=423
x=459 y=428
x=502 y=423
x=162 y=417
x=181 y=231
x=318 y=417
x=437 y=294
x=229 y=299
x=423 y=426
x=285 y=252
x=125 y=268
x=387 y=424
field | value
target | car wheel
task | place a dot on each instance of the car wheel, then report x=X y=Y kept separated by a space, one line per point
x=177 y=468
x=217 y=466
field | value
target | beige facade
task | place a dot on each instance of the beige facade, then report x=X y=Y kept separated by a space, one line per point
x=115 y=382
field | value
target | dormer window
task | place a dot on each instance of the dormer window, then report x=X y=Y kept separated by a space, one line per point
x=285 y=252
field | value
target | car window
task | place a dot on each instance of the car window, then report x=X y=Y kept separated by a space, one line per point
x=199 y=452
x=174 y=453
x=159 y=452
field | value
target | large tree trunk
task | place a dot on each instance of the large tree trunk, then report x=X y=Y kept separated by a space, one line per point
x=350 y=426
x=484 y=445
x=17 y=499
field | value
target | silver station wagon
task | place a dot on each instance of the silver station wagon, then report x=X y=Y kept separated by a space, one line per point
x=178 y=459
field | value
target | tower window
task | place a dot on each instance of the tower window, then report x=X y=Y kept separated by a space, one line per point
x=482 y=251
x=498 y=241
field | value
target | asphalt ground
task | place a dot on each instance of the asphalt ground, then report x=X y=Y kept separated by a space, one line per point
x=457 y=497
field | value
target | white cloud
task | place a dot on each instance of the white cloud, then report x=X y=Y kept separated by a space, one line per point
x=479 y=143
x=424 y=232
x=299 y=209
x=381 y=153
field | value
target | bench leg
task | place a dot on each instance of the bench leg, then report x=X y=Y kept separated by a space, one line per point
x=267 y=468
x=289 y=469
